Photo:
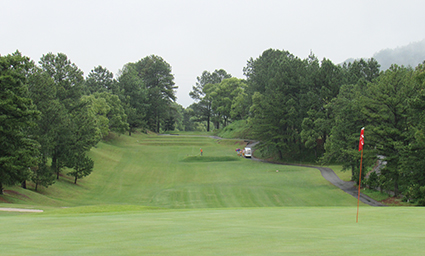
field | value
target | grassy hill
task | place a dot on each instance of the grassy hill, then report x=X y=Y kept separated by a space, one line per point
x=168 y=172
x=153 y=194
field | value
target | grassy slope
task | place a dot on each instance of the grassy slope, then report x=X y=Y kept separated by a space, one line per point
x=163 y=171
x=154 y=172
x=207 y=207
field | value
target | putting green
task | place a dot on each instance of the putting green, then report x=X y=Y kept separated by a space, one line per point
x=244 y=231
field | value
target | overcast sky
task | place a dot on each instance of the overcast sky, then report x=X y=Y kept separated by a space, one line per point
x=195 y=35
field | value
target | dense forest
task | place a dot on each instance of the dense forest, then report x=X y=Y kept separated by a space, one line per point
x=300 y=110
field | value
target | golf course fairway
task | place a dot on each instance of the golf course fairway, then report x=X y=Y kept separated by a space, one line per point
x=152 y=194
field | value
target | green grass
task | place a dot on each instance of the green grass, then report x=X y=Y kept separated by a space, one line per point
x=377 y=195
x=153 y=194
x=210 y=158
x=168 y=172
x=245 y=231
x=237 y=129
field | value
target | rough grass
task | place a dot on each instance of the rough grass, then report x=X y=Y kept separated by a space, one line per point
x=237 y=129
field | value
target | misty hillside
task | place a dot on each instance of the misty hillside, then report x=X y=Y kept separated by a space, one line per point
x=409 y=55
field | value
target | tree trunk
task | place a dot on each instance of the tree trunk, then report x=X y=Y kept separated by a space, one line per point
x=280 y=154
x=208 y=123
x=54 y=164
x=157 y=123
x=396 y=187
x=24 y=184
x=1 y=188
x=75 y=181
x=36 y=185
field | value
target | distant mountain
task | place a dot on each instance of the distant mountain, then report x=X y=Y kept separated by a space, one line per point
x=409 y=55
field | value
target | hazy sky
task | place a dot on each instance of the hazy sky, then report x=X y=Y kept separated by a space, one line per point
x=195 y=35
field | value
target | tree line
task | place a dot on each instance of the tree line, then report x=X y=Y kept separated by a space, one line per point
x=300 y=110
x=311 y=110
x=51 y=115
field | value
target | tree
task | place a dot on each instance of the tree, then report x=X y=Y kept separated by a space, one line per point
x=83 y=166
x=42 y=174
x=412 y=158
x=68 y=78
x=240 y=104
x=159 y=83
x=174 y=119
x=325 y=84
x=277 y=81
x=223 y=97
x=342 y=144
x=116 y=114
x=53 y=114
x=77 y=131
x=389 y=115
x=205 y=84
x=188 y=124
x=100 y=80
x=133 y=95
x=85 y=134
x=215 y=77
x=360 y=71
x=18 y=151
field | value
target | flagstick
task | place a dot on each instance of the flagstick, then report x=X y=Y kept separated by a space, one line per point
x=358 y=195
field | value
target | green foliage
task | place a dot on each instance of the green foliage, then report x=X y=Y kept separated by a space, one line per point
x=68 y=87
x=388 y=114
x=277 y=81
x=159 y=83
x=18 y=149
x=101 y=80
x=237 y=129
x=201 y=93
x=223 y=99
x=108 y=112
x=42 y=174
x=342 y=144
x=412 y=160
x=147 y=90
x=373 y=180
x=83 y=166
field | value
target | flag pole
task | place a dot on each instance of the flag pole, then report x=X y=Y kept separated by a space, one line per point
x=361 y=143
x=358 y=194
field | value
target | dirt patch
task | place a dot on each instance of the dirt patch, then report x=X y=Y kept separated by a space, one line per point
x=241 y=143
x=3 y=200
x=14 y=193
x=392 y=201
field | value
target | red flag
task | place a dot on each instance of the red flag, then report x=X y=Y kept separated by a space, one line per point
x=361 y=142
